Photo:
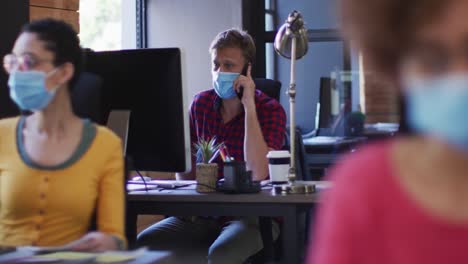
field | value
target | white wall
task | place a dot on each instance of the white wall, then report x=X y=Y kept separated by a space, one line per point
x=128 y=24
x=191 y=26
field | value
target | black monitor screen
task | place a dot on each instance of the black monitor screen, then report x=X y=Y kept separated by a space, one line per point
x=148 y=83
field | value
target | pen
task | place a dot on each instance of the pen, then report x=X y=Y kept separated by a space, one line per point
x=222 y=153
x=228 y=156
x=225 y=154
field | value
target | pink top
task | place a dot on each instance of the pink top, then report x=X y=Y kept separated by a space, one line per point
x=368 y=218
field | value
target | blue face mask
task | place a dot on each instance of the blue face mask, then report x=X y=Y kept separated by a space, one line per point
x=223 y=84
x=28 y=89
x=439 y=107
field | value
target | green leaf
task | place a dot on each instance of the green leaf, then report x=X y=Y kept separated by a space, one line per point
x=206 y=148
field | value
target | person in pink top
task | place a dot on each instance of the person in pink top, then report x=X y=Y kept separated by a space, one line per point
x=405 y=200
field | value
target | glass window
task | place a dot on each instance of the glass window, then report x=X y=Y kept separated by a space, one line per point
x=270 y=15
x=101 y=24
x=270 y=61
x=318 y=14
x=269 y=22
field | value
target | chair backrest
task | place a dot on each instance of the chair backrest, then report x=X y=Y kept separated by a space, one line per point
x=119 y=122
x=86 y=97
x=270 y=87
x=86 y=103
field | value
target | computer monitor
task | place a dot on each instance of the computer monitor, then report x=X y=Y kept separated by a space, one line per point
x=148 y=82
x=325 y=113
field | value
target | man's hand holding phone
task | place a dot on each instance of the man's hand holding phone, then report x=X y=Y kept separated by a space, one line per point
x=245 y=88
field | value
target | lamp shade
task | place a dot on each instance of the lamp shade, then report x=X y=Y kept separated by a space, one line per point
x=293 y=27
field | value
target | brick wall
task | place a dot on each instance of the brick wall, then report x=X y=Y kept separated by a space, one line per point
x=66 y=10
x=379 y=98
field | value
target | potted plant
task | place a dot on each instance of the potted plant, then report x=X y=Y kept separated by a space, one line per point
x=206 y=172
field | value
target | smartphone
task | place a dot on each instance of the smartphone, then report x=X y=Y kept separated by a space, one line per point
x=241 y=89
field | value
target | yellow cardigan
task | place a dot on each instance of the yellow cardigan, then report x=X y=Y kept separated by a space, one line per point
x=53 y=206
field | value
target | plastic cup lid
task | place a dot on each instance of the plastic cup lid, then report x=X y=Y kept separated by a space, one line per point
x=278 y=154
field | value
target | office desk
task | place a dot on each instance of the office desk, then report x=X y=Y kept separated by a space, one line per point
x=26 y=254
x=323 y=152
x=187 y=202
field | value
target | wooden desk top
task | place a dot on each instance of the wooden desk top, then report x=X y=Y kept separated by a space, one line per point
x=189 y=195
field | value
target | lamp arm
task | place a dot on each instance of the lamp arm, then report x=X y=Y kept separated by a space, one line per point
x=292 y=112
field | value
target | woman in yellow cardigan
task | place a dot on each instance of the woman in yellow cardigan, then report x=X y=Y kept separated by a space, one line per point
x=55 y=168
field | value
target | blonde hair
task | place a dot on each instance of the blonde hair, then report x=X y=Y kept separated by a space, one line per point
x=235 y=38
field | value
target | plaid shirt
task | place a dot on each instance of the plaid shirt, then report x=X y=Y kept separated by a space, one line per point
x=206 y=122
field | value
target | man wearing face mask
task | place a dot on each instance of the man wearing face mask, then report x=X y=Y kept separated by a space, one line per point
x=250 y=124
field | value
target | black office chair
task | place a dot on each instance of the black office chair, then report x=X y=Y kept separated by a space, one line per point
x=269 y=87
x=302 y=173
x=86 y=103
x=86 y=97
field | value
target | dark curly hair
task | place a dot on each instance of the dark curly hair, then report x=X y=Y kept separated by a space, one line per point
x=62 y=40
x=384 y=29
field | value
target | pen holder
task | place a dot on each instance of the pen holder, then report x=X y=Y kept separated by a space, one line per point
x=235 y=174
x=206 y=176
x=237 y=179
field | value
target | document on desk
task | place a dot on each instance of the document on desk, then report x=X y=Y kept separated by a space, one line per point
x=157 y=184
x=390 y=127
x=105 y=257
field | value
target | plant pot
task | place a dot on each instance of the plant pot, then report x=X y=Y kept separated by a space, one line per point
x=206 y=175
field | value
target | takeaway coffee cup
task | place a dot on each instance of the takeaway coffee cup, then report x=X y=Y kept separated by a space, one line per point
x=278 y=166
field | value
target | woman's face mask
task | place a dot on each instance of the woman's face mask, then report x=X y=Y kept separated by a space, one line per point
x=28 y=89
x=438 y=106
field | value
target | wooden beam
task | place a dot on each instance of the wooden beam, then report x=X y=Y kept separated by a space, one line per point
x=73 y=5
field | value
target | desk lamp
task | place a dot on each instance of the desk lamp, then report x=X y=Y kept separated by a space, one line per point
x=291 y=42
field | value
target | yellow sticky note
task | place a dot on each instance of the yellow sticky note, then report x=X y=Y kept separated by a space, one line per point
x=106 y=257
x=113 y=257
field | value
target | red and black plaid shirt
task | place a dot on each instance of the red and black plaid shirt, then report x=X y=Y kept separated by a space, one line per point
x=206 y=122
